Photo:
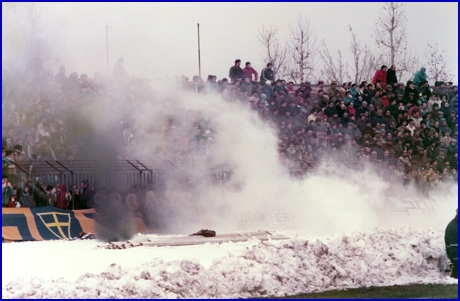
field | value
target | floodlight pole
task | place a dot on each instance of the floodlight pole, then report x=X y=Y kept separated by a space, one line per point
x=107 y=42
x=199 y=56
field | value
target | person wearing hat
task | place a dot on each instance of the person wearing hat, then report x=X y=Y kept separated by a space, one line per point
x=332 y=91
x=441 y=90
x=319 y=86
x=306 y=88
x=453 y=91
x=267 y=90
x=420 y=76
x=410 y=100
x=452 y=148
x=391 y=157
x=451 y=242
x=424 y=88
x=440 y=114
x=441 y=157
x=349 y=130
x=410 y=89
x=399 y=89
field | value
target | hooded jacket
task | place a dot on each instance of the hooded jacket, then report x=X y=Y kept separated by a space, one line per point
x=419 y=76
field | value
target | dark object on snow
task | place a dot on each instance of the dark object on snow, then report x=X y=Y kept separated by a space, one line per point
x=83 y=235
x=205 y=233
x=451 y=240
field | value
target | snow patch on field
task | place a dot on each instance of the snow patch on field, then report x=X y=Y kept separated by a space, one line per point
x=77 y=269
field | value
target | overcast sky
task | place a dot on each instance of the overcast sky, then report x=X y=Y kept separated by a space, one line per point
x=159 y=39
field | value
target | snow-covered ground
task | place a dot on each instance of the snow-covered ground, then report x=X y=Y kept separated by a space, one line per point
x=80 y=269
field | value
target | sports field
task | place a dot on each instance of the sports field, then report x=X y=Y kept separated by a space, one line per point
x=423 y=291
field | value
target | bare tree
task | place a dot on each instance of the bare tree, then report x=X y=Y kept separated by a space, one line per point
x=334 y=70
x=302 y=49
x=365 y=62
x=27 y=33
x=437 y=65
x=275 y=52
x=391 y=37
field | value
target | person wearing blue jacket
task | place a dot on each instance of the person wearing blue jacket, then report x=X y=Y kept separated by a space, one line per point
x=420 y=76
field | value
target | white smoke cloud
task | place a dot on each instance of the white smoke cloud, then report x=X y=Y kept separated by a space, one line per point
x=261 y=193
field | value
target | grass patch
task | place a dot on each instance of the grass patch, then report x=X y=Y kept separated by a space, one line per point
x=436 y=291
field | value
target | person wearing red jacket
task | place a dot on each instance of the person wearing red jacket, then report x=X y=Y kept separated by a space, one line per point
x=381 y=77
x=62 y=197
x=248 y=71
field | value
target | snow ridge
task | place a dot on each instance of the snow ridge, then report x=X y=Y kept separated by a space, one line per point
x=272 y=268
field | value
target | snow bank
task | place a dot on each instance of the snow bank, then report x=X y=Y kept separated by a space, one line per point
x=77 y=269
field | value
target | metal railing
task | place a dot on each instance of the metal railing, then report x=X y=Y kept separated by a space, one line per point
x=120 y=175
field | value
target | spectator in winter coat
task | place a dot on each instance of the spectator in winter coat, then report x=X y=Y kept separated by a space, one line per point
x=332 y=91
x=247 y=86
x=211 y=84
x=420 y=76
x=410 y=89
x=376 y=100
x=433 y=100
x=20 y=158
x=267 y=90
x=86 y=195
x=267 y=74
x=236 y=73
x=380 y=76
x=378 y=118
x=8 y=166
x=391 y=76
x=279 y=89
x=61 y=78
x=248 y=71
x=41 y=196
x=25 y=194
x=62 y=197
x=7 y=190
x=424 y=89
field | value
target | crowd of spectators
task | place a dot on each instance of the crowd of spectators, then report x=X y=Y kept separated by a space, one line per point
x=41 y=122
x=407 y=131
